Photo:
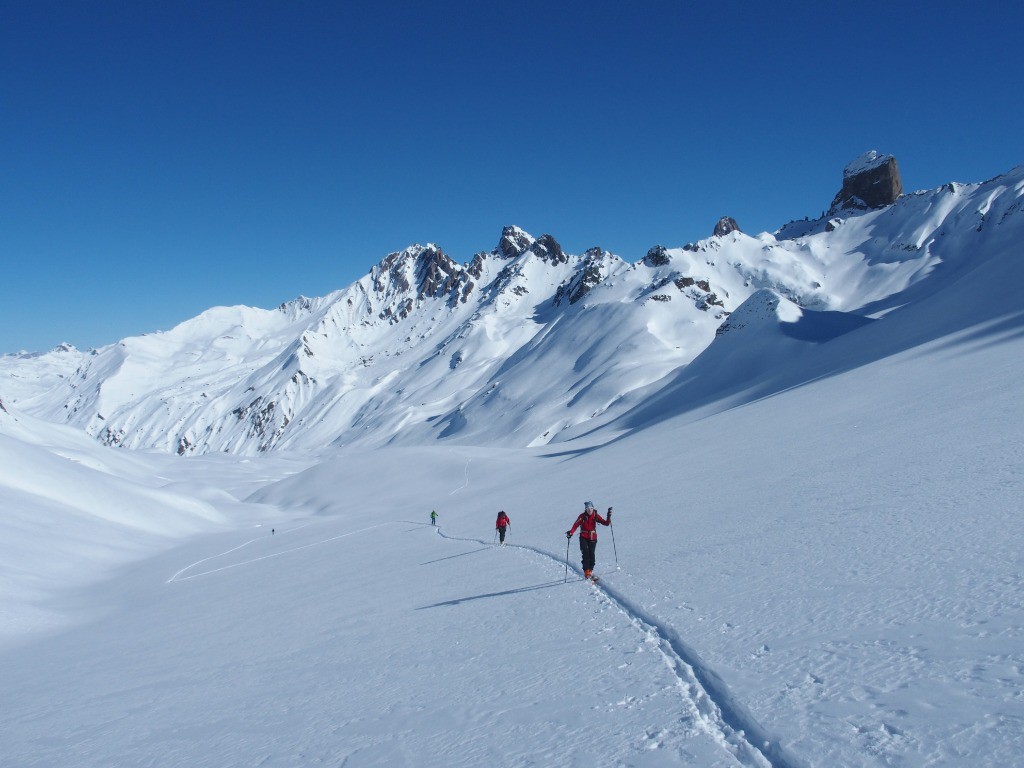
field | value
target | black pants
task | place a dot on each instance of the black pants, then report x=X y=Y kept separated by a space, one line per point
x=587 y=548
x=501 y=534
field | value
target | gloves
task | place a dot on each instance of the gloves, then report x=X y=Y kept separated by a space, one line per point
x=568 y=534
x=609 y=513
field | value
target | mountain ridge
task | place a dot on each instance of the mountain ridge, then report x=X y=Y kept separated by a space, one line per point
x=523 y=345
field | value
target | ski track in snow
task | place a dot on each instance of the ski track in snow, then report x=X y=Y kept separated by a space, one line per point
x=703 y=691
x=712 y=704
x=179 y=577
x=465 y=471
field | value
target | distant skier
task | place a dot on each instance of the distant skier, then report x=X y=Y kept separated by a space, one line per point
x=501 y=524
x=587 y=523
x=433 y=517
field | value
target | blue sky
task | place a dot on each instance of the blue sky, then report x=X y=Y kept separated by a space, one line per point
x=162 y=158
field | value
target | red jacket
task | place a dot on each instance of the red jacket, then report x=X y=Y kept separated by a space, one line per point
x=502 y=520
x=588 y=525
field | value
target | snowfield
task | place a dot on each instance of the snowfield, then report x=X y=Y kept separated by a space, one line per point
x=817 y=556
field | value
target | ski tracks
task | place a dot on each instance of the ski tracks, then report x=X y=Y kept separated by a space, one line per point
x=705 y=694
x=279 y=553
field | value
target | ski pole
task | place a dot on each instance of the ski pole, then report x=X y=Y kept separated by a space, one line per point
x=495 y=536
x=614 y=548
x=567 y=538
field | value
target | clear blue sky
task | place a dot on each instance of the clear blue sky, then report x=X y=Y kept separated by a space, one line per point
x=159 y=158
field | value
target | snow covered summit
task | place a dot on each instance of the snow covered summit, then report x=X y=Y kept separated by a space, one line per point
x=523 y=345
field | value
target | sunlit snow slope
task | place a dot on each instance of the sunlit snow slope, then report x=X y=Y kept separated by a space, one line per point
x=817 y=551
x=525 y=345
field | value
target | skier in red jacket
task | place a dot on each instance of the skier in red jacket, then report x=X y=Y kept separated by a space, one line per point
x=587 y=523
x=501 y=523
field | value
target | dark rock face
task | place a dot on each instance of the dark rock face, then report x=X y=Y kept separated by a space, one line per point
x=513 y=242
x=725 y=225
x=585 y=279
x=656 y=257
x=700 y=291
x=548 y=249
x=870 y=181
x=590 y=276
x=388 y=270
x=438 y=274
x=428 y=271
x=476 y=267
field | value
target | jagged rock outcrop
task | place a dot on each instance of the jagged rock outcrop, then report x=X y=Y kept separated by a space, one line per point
x=476 y=266
x=513 y=242
x=725 y=225
x=438 y=274
x=423 y=348
x=700 y=291
x=870 y=181
x=427 y=270
x=589 y=275
x=547 y=248
x=657 y=257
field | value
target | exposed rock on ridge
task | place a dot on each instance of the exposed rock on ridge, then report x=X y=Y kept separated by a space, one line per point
x=657 y=256
x=513 y=242
x=870 y=181
x=725 y=225
x=425 y=348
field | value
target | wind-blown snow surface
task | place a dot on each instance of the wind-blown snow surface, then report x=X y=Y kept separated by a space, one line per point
x=836 y=569
x=817 y=556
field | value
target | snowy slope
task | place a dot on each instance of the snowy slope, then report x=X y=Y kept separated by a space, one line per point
x=817 y=551
x=525 y=345
x=74 y=511
x=827 y=576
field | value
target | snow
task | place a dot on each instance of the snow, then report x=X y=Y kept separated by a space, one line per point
x=816 y=557
x=393 y=359
x=866 y=162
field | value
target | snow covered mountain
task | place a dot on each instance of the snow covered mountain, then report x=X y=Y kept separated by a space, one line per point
x=524 y=345
x=816 y=557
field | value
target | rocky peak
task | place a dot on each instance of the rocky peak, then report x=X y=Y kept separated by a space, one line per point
x=514 y=241
x=426 y=270
x=870 y=181
x=392 y=270
x=476 y=266
x=548 y=249
x=436 y=273
x=589 y=275
x=725 y=225
x=657 y=257
x=300 y=303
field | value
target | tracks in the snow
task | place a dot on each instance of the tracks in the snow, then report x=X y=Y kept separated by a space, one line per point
x=279 y=553
x=709 y=698
x=703 y=692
